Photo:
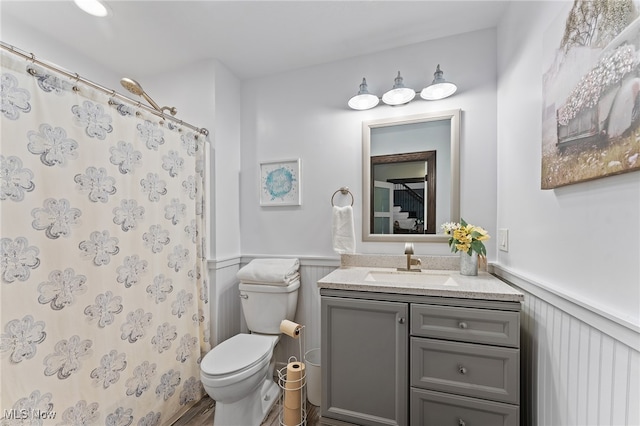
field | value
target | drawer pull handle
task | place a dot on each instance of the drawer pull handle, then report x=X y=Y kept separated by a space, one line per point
x=461 y=422
x=401 y=320
x=462 y=325
x=462 y=370
x=244 y=296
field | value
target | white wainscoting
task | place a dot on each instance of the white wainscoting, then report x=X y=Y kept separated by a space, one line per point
x=224 y=299
x=581 y=367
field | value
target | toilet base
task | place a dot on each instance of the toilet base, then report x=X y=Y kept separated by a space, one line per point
x=250 y=410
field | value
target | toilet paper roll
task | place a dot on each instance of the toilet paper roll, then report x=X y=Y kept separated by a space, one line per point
x=293 y=393
x=290 y=328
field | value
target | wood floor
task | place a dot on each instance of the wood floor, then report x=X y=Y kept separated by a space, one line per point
x=202 y=414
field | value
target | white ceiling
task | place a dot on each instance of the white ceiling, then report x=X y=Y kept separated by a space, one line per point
x=252 y=38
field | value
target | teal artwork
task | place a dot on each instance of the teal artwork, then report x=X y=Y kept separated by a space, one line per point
x=280 y=183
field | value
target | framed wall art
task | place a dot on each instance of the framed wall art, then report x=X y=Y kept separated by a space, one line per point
x=280 y=183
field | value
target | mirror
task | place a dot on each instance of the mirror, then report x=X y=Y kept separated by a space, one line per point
x=410 y=177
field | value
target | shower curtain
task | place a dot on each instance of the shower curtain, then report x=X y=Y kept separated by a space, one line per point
x=104 y=311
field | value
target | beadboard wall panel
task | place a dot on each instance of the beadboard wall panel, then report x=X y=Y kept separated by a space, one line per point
x=575 y=374
x=226 y=311
x=308 y=312
x=579 y=368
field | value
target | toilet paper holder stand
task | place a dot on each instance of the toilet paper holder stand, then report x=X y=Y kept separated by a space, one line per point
x=292 y=383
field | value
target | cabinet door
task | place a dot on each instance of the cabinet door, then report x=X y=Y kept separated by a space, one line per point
x=364 y=355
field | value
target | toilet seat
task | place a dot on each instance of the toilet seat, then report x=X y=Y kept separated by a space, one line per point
x=237 y=354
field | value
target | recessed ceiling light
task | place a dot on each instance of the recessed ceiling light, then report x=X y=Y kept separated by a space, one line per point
x=93 y=7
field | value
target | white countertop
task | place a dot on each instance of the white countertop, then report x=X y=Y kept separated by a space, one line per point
x=443 y=283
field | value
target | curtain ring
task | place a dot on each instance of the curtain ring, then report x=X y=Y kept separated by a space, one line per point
x=33 y=58
x=77 y=77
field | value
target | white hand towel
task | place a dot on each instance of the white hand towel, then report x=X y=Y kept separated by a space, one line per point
x=269 y=270
x=344 y=236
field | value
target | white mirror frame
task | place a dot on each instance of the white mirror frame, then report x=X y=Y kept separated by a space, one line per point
x=454 y=116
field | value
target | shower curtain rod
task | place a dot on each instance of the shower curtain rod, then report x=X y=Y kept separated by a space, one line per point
x=31 y=57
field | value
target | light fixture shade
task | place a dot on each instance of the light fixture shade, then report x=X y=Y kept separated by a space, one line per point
x=439 y=88
x=399 y=94
x=363 y=100
x=93 y=7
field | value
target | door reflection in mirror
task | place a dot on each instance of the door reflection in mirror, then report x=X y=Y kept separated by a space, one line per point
x=404 y=194
x=405 y=177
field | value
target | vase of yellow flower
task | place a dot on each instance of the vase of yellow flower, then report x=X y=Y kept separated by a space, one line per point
x=468 y=240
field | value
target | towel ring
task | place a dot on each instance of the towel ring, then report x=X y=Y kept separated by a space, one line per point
x=344 y=191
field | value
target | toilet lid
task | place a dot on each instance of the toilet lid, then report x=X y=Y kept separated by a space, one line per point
x=237 y=353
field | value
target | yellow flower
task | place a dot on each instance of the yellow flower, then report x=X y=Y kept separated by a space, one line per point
x=463 y=247
x=462 y=235
x=484 y=235
x=465 y=237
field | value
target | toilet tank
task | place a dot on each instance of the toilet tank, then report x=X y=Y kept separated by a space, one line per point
x=265 y=306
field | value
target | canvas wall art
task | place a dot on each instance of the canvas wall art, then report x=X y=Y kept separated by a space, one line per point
x=591 y=93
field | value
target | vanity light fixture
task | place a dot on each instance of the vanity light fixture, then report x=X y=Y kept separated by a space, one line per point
x=400 y=94
x=363 y=100
x=93 y=7
x=439 y=88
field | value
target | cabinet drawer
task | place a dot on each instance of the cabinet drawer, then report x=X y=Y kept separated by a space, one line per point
x=479 y=371
x=473 y=325
x=429 y=408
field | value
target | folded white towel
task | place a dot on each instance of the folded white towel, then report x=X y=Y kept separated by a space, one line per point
x=276 y=271
x=343 y=230
x=287 y=281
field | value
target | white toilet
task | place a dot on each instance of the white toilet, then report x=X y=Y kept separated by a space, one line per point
x=238 y=373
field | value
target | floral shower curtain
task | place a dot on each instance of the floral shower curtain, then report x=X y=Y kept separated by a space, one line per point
x=104 y=302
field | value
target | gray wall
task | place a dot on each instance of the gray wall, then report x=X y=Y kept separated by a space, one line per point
x=571 y=239
x=566 y=250
x=310 y=120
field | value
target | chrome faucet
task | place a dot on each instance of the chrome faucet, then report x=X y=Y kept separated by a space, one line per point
x=408 y=250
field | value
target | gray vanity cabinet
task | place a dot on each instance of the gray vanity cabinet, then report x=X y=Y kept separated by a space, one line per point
x=364 y=355
x=392 y=359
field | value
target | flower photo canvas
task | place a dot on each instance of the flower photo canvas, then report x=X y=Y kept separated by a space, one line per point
x=591 y=93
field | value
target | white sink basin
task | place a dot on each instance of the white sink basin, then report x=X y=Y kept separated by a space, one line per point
x=411 y=278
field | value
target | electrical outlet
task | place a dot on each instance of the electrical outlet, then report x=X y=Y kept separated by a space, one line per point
x=503 y=239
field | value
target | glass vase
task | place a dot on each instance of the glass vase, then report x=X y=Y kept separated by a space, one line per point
x=469 y=263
